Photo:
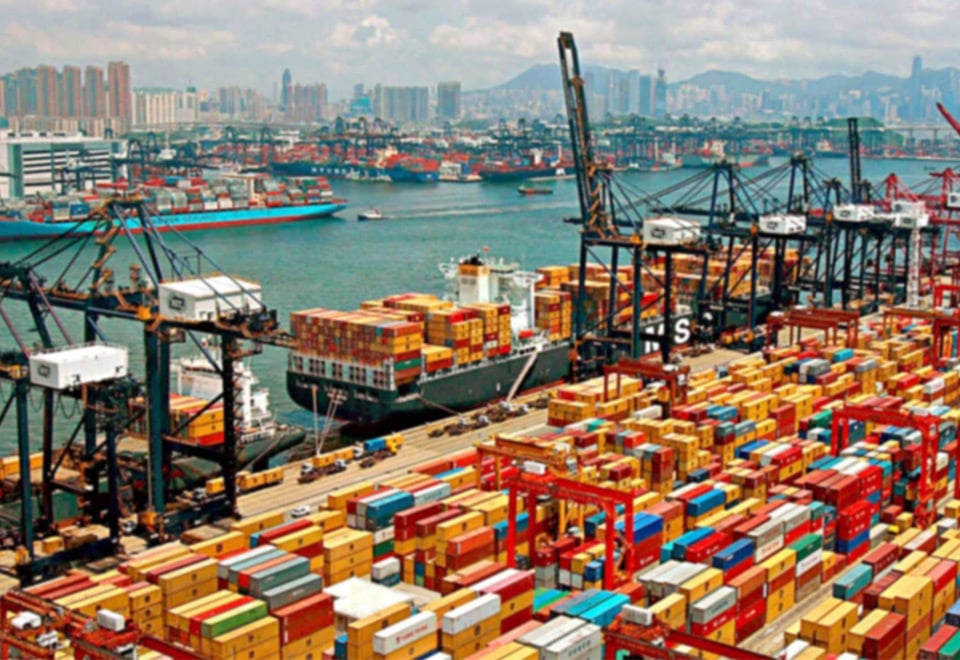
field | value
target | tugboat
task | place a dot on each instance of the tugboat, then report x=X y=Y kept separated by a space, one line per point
x=371 y=214
x=530 y=190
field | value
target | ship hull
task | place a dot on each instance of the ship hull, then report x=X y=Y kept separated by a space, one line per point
x=500 y=176
x=458 y=391
x=354 y=171
x=26 y=229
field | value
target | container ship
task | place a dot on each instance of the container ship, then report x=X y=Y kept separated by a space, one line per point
x=532 y=167
x=413 y=357
x=387 y=165
x=715 y=151
x=181 y=204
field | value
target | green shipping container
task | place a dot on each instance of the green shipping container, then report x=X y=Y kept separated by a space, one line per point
x=806 y=545
x=382 y=549
x=951 y=649
x=236 y=618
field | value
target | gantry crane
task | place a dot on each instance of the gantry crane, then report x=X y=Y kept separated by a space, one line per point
x=615 y=570
x=95 y=294
x=929 y=428
x=609 y=228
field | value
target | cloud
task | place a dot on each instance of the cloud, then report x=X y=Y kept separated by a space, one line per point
x=372 y=31
x=480 y=42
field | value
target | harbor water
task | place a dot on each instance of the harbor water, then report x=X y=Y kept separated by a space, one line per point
x=339 y=262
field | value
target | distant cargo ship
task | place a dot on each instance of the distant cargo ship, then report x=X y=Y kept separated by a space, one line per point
x=387 y=165
x=179 y=204
x=715 y=151
x=410 y=358
x=532 y=167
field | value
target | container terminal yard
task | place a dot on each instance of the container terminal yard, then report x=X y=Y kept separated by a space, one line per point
x=750 y=454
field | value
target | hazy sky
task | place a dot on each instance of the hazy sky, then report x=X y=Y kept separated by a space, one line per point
x=480 y=42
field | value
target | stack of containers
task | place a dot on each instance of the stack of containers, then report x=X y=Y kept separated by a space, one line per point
x=497 y=335
x=346 y=553
x=411 y=638
x=458 y=329
x=306 y=626
x=467 y=629
x=552 y=313
x=352 y=340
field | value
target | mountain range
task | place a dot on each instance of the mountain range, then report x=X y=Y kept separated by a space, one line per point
x=541 y=77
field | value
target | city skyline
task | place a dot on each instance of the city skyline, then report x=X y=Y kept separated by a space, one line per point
x=416 y=42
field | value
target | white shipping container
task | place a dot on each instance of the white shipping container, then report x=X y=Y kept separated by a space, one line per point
x=794 y=648
x=670 y=231
x=408 y=631
x=494 y=579
x=533 y=467
x=809 y=562
x=67 y=368
x=583 y=643
x=638 y=615
x=110 y=620
x=713 y=605
x=551 y=631
x=650 y=412
x=207 y=298
x=466 y=616
x=385 y=568
x=383 y=535
x=439 y=655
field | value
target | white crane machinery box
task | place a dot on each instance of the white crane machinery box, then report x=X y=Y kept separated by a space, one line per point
x=853 y=213
x=670 y=231
x=207 y=298
x=783 y=224
x=67 y=368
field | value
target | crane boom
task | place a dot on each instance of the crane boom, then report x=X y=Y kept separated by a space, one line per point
x=590 y=185
x=950 y=118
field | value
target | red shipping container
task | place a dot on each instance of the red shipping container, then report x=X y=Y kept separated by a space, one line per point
x=738 y=569
x=269 y=535
x=930 y=648
x=304 y=617
x=853 y=520
x=511 y=587
x=943 y=574
x=153 y=575
x=751 y=618
x=881 y=557
x=705 y=629
x=516 y=619
x=67 y=589
x=427 y=527
x=633 y=590
x=704 y=549
x=435 y=467
x=781 y=581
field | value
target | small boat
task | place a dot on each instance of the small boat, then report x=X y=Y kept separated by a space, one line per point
x=530 y=190
x=371 y=214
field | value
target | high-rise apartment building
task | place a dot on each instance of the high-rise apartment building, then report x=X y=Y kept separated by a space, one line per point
x=94 y=93
x=118 y=91
x=71 y=92
x=48 y=91
x=448 y=100
x=402 y=104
